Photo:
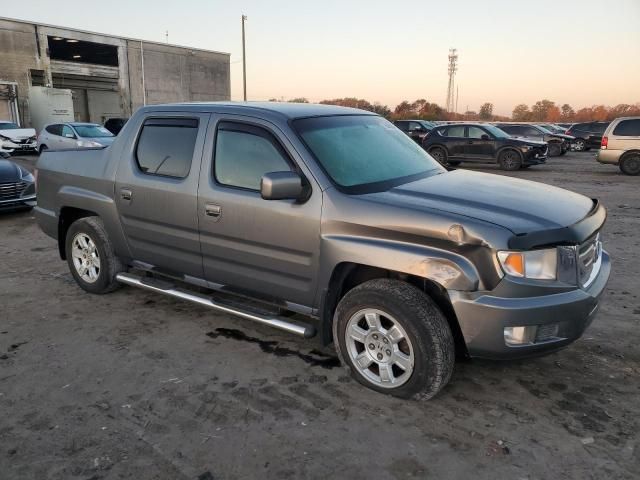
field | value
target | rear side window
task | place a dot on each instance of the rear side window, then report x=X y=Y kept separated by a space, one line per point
x=600 y=127
x=457 y=131
x=166 y=145
x=510 y=129
x=476 y=132
x=244 y=153
x=581 y=127
x=404 y=126
x=628 y=128
x=54 y=129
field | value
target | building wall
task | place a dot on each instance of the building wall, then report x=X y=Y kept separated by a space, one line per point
x=171 y=73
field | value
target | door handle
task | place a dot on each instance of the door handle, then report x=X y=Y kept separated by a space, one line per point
x=212 y=210
x=125 y=194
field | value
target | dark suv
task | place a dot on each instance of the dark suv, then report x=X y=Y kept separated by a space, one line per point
x=416 y=129
x=456 y=143
x=558 y=144
x=588 y=135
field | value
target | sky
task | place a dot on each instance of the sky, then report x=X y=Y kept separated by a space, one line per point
x=581 y=52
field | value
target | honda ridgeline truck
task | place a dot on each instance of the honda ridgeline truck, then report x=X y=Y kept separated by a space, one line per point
x=317 y=219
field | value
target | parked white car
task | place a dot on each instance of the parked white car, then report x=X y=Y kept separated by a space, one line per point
x=13 y=138
x=64 y=136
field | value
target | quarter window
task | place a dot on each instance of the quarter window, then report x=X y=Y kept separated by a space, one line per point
x=628 y=128
x=166 y=146
x=244 y=153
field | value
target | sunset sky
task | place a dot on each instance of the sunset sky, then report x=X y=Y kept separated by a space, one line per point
x=581 y=52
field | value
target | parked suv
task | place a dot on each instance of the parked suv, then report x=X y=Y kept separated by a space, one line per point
x=58 y=136
x=318 y=218
x=621 y=145
x=587 y=135
x=558 y=143
x=416 y=129
x=114 y=125
x=456 y=143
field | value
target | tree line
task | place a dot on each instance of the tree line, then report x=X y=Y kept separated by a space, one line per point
x=541 y=111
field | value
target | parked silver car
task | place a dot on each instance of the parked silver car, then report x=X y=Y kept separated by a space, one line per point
x=61 y=136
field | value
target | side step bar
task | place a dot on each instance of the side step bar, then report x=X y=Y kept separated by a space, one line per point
x=169 y=289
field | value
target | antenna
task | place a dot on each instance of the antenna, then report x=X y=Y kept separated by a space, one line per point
x=453 y=68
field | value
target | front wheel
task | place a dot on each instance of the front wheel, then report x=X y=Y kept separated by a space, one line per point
x=555 y=150
x=394 y=339
x=439 y=155
x=90 y=256
x=510 y=160
x=630 y=164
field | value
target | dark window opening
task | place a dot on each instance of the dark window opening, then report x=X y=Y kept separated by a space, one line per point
x=71 y=50
x=166 y=146
x=37 y=78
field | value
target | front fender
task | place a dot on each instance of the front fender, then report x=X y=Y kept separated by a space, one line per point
x=451 y=270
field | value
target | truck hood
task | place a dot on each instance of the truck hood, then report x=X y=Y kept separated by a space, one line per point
x=522 y=206
x=18 y=133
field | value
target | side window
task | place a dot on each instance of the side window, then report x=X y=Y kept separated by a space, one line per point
x=628 y=128
x=54 y=129
x=244 y=153
x=67 y=131
x=531 y=131
x=456 y=131
x=404 y=126
x=414 y=126
x=475 y=132
x=510 y=129
x=600 y=127
x=166 y=145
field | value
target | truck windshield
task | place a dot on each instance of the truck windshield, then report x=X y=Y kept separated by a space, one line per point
x=92 y=131
x=365 y=153
x=8 y=126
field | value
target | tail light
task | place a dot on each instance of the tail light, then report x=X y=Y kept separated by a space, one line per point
x=568 y=132
x=604 y=143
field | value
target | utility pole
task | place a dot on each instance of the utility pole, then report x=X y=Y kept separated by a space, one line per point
x=244 y=61
x=453 y=68
x=457 y=97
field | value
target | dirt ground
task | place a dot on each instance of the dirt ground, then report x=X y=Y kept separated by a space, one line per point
x=134 y=385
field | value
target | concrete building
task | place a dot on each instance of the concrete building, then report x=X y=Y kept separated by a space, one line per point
x=48 y=71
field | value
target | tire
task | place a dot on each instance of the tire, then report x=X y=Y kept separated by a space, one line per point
x=86 y=241
x=630 y=164
x=42 y=148
x=402 y=332
x=563 y=152
x=579 y=145
x=510 y=160
x=439 y=154
x=555 y=149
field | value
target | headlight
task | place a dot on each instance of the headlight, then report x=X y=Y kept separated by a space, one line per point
x=536 y=264
x=2 y=137
x=88 y=143
x=25 y=175
x=526 y=147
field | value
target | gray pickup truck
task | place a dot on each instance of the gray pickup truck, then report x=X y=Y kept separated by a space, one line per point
x=324 y=220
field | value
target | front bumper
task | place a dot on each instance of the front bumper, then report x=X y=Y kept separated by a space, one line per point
x=19 y=147
x=27 y=201
x=483 y=317
x=535 y=157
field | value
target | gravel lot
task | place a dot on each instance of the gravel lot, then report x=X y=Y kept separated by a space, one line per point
x=135 y=385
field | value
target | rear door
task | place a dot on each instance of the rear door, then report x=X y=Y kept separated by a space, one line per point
x=268 y=248
x=157 y=191
x=455 y=141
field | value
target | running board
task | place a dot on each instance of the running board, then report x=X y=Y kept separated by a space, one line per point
x=170 y=289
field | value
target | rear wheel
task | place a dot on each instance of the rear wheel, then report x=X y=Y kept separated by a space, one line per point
x=579 y=145
x=90 y=256
x=439 y=154
x=394 y=339
x=630 y=164
x=510 y=160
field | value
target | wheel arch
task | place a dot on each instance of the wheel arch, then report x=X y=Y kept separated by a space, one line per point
x=348 y=275
x=504 y=148
x=67 y=216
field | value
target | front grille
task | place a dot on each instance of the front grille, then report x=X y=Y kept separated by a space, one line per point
x=13 y=190
x=589 y=257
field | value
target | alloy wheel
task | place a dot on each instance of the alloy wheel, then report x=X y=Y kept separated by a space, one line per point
x=86 y=258
x=379 y=348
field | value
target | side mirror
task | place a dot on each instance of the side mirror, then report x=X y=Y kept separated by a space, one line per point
x=281 y=186
x=485 y=137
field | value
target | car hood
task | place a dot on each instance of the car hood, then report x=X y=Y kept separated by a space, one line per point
x=563 y=136
x=521 y=206
x=9 y=171
x=18 y=133
x=106 y=141
x=525 y=141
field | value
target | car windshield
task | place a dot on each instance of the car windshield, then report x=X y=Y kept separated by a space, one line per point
x=92 y=131
x=365 y=153
x=495 y=131
x=8 y=126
